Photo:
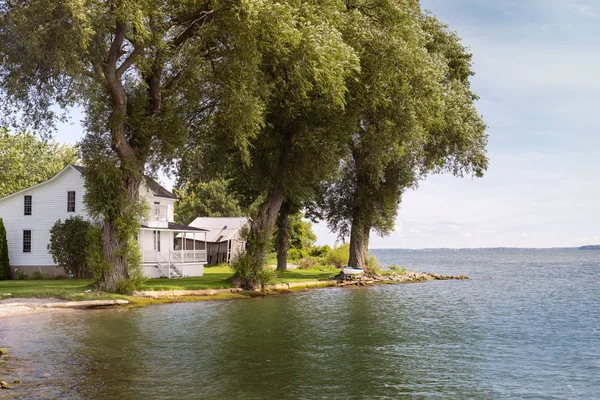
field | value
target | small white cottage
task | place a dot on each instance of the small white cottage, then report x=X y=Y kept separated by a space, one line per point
x=226 y=237
x=29 y=215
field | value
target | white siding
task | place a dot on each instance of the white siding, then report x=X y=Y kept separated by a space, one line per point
x=146 y=242
x=151 y=199
x=49 y=204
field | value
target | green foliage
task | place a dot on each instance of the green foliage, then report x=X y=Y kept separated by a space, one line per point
x=392 y=270
x=243 y=267
x=108 y=199
x=4 y=261
x=301 y=238
x=308 y=263
x=142 y=70
x=135 y=278
x=398 y=270
x=301 y=234
x=320 y=251
x=295 y=254
x=373 y=264
x=275 y=134
x=21 y=275
x=69 y=246
x=97 y=264
x=37 y=275
x=410 y=112
x=267 y=276
x=27 y=160
x=339 y=255
x=206 y=199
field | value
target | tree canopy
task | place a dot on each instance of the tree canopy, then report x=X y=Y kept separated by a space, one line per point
x=206 y=199
x=25 y=160
x=410 y=112
x=344 y=105
x=139 y=69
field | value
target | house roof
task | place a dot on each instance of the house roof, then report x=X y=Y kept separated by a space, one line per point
x=156 y=189
x=220 y=229
x=177 y=227
x=61 y=172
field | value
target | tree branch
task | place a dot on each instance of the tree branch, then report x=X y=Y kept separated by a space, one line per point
x=116 y=45
x=191 y=29
x=130 y=60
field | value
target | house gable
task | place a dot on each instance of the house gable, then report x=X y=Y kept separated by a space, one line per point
x=49 y=203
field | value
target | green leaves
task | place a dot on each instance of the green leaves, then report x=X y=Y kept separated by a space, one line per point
x=206 y=199
x=26 y=160
x=4 y=261
x=410 y=112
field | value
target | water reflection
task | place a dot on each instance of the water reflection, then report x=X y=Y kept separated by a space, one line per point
x=507 y=335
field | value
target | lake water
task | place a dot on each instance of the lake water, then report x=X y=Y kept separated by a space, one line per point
x=526 y=325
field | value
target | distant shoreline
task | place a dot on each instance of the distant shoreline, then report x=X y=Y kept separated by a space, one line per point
x=586 y=247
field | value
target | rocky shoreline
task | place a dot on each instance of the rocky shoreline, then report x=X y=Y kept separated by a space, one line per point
x=408 y=277
x=28 y=306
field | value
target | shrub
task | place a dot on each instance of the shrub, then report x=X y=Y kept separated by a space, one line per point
x=135 y=274
x=241 y=266
x=295 y=254
x=308 y=263
x=267 y=276
x=243 y=269
x=373 y=264
x=69 y=245
x=95 y=257
x=397 y=270
x=37 y=275
x=339 y=256
x=320 y=251
x=4 y=261
x=21 y=275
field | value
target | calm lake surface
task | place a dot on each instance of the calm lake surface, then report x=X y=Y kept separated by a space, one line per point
x=526 y=325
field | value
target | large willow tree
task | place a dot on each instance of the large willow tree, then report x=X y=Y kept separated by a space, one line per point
x=300 y=75
x=410 y=112
x=139 y=69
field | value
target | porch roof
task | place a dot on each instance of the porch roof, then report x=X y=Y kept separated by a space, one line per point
x=176 y=227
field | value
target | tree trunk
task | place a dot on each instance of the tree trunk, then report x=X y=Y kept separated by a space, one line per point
x=111 y=247
x=113 y=243
x=359 y=244
x=259 y=238
x=283 y=236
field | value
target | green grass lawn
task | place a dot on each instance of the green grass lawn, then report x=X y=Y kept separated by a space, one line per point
x=216 y=277
x=61 y=288
x=305 y=275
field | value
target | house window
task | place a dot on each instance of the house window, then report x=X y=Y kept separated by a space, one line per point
x=27 y=241
x=27 y=205
x=70 y=201
x=157 y=240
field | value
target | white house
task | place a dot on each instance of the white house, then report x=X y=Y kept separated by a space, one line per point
x=29 y=215
x=225 y=237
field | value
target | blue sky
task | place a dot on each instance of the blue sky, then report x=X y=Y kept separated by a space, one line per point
x=538 y=75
